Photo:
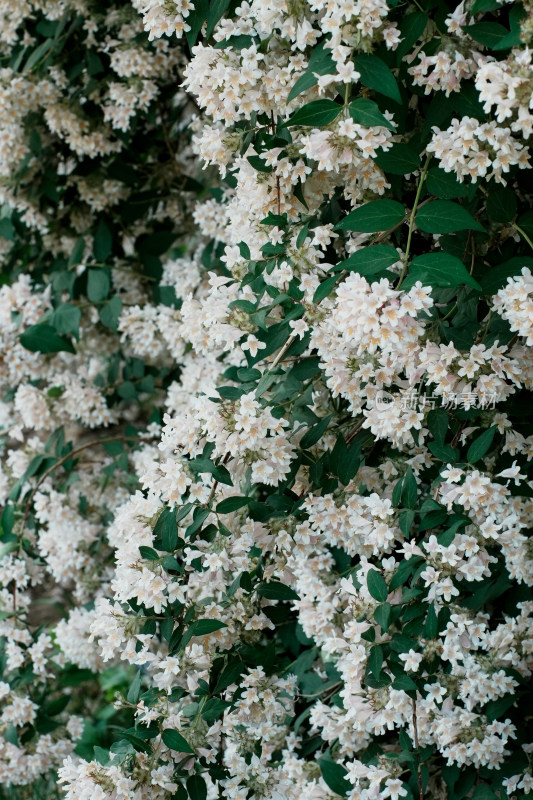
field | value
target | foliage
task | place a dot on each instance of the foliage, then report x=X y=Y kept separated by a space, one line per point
x=266 y=316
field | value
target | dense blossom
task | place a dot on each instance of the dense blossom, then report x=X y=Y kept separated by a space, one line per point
x=266 y=316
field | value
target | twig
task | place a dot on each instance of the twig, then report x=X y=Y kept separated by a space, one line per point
x=524 y=234
x=417 y=751
x=62 y=461
x=215 y=484
x=412 y=221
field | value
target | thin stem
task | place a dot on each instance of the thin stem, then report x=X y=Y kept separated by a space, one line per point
x=523 y=233
x=452 y=309
x=278 y=184
x=412 y=221
x=417 y=753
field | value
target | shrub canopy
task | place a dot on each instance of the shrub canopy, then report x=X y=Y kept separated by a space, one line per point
x=266 y=316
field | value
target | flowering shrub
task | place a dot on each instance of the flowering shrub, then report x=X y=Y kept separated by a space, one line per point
x=266 y=314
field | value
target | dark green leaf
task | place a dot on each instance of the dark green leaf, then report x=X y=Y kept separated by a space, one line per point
x=196 y=788
x=98 y=284
x=134 y=689
x=317 y=113
x=325 y=288
x=103 y=241
x=382 y=616
x=175 y=741
x=231 y=504
x=66 y=319
x=483 y=792
x=275 y=590
x=501 y=204
x=378 y=215
x=110 y=313
x=443 y=216
x=366 y=112
x=376 y=75
x=204 y=626
x=377 y=586
x=334 y=776
x=487 y=33
x=439 y=269
x=320 y=63
x=312 y=436
x=370 y=260
x=217 y=9
x=400 y=159
x=481 y=445
x=195 y=20
x=431 y=627
x=214 y=708
x=445 y=185
x=43 y=338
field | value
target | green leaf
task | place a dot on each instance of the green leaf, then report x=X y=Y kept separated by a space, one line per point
x=103 y=241
x=400 y=159
x=501 y=204
x=376 y=75
x=43 y=338
x=334 y=776
x=375 y=661
x=201 y=627
x=445 y=185
x=370 y=260
x=259 y=164
x=110 y=313
x=204 y=626
x=195 y=20
x=443 y=216
x=275 y=590
x=314 y=434
x=325 y=288
x=239 y=42
x=77 y=252
x=348 y=460
x=196 y=787
x=431 y=627
x=166 y=529
x=149 y=553
x=7 y=229
x=98 y=284
x=439 y=269
x=66 y=319
x=437 y=422
x=320 y=63
x=379 y=215
x=481 y=445
x=366 y=112
x=484 y=792
x=135 y=688
x=497 y=277
x=382 y=616
x=409 y=489
x=377 y=586
x=214 y=708
x=38 y=54
x=217 y=9
x=231 y=504
x=412 y=26
x=489 y=34
x=175 y=741
x=485 y=5
x=316 y=113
